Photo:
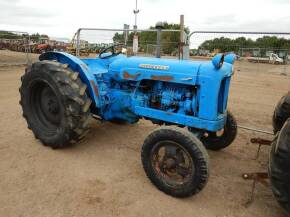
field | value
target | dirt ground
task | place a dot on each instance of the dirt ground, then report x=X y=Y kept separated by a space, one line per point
x=8 y=58
x=103 y=175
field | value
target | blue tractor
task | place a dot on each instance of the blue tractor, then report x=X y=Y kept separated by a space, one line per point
x=60 y=93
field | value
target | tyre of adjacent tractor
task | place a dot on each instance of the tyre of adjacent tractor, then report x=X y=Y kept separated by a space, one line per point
x=279 y=165
x=55 y=104
x=281 y=112
x=223 y=138
x=118 y=121
x=175 y=161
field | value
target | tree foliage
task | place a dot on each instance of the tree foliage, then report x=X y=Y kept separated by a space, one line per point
x=234 y=45
x=13 y=35
x=169 y=40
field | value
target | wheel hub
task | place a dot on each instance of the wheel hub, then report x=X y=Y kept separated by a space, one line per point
x=172 y=163
x=52 y=106
x=169 y=163
x=46 y=105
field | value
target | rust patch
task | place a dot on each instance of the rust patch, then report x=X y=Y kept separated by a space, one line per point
x=161 y=77
x=261 y=141
x=96 y=91
x=132 y=76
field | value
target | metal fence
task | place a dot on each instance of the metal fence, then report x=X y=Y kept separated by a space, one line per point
x=17 y=48
x=256 y=51
x=14 y=48
x=141 y=42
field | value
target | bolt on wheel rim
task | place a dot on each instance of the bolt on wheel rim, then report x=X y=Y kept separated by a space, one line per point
x=172 y=163
x=46 y=106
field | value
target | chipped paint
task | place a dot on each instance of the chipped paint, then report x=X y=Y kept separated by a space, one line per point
x=85 y=66
x=161 y=77
x=96 y=91
x=186 y=79
x=132 y=76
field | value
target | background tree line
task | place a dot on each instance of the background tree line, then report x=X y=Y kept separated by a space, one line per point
x=169 y=40
x=234 y=45
x=12 y=35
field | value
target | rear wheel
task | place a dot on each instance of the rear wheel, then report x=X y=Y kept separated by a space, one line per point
x=175 y=161
x=55 y=104
x=279 y=165
x=118 y=121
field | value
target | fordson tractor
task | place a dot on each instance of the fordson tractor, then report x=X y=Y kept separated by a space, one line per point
x=61 y=92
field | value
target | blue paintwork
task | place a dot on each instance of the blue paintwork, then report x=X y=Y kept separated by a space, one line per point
x=76 y=65
x=218 y=60
x=182 y=92
x=230 y=58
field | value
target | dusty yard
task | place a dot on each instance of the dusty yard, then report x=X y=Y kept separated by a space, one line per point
x=103 y=175
x=8 y=58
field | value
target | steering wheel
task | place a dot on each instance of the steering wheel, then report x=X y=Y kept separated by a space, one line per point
x=112 y=49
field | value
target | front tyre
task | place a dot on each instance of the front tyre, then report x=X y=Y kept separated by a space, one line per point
x=279 y=165
x=55 y=104
x=175 y=161
x=221 y=139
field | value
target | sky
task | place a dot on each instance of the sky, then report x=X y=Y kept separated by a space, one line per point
x=61 y=18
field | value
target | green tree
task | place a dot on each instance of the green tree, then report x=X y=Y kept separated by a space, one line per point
x=169 y=40
x=234 y=45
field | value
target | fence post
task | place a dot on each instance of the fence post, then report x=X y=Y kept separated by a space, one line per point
x=159 y=26
x=181 y=43
x=78 y=43
x=126 y=33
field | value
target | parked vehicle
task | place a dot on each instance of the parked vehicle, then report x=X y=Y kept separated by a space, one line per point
x=272 y=59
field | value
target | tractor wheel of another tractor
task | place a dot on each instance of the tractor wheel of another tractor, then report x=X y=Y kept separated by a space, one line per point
x=55 y=104
x=279 y=165
x=175 y=161
x=118 y=122
x=281 y=112
x=221 y=139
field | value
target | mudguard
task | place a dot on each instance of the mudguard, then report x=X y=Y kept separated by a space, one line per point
x=79 y=66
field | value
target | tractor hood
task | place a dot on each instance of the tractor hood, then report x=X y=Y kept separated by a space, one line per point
x=138 y=68
x=178 y=71
x=169 y=65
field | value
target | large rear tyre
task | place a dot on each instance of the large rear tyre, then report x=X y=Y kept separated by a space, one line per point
x=175 y=161
x=279 y=165
x=281 y=112
x=55 y=104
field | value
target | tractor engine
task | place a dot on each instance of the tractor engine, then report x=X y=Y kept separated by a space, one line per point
x=159 y=95
x=172 y=98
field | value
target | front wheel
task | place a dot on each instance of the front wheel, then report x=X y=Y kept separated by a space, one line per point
x=223 y=138
x=175 y=161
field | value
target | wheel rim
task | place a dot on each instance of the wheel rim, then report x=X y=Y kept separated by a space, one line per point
x=172 y=163
x=46 y=106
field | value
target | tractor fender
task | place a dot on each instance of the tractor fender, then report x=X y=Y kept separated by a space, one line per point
x=79 y=66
